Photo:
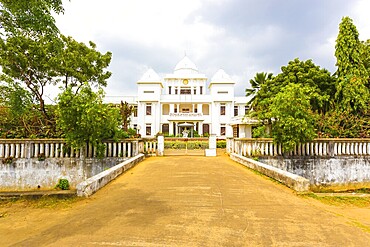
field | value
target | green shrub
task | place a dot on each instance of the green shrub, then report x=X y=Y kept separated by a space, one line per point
x=63 y=184
x=221 y=144
x=41 y=157
x=8 y=160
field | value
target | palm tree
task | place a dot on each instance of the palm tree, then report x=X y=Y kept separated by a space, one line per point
x=256 y=83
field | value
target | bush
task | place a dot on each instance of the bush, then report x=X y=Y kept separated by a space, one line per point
x=63 y=184
x=8 y=160
x=221 y=144
x=183 y=144
x=41 y=157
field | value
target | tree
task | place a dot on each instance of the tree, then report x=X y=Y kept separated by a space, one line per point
x=83 y=118
x=256 y=83
x=305 y=73
x=294 y=120
x=365 y=56
x=32 y=62
x=352 y=86
x=126 y=111
x=32 y=16
x=293 y=99
x=79 y=63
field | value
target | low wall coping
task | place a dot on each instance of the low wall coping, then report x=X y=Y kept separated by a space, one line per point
x=291 y=180
x=94 y=183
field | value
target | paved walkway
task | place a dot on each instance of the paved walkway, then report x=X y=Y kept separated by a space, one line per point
x=186 y=201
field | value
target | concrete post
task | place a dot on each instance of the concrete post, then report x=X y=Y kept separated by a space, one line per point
x=160 y=149
x=212 y=146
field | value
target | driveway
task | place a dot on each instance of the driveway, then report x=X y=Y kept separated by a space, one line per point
x=187 y=201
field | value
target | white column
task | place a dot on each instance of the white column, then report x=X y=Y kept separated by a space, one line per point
x=160 y=145
x=200 y=108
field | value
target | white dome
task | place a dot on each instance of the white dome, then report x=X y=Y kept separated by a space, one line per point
x=186 y=66
x=150 y=76
x=221 y=77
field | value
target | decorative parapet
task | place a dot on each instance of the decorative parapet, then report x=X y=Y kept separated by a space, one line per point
x=57 y=148
x=318 y=147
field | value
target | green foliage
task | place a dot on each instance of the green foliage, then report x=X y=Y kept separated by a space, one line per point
x=126 y=111
x=348 y=50
x=256 y=83
x=304 y=101
x=221 y=144
x=83 y=118
x=30 y=62
x=41 y=157
x=16 y=98
x=291 y=100
x=338 y=123
x=63 y=184
x=352 y=87
x=365 y=55
x=183 y=144
x=31 y=16
x=260 y=131
x=8 y=160
x=19 y=118
x=33 y=55
x=79 y=63
x=294 y=120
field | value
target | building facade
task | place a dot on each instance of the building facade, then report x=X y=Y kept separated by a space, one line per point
x=184 y=103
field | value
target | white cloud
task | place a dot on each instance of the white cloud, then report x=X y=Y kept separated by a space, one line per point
x=238 y=36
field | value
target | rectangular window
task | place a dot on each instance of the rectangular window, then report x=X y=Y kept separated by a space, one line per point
x=246 y=109
x=205 y=129
x=195 y=110
x=169 y=89
x=148 y=91
x=185 y=91
x=148 y=109
x=223 y=130
x=148 y=130
x=223 y=110
x=165 y=128
x=135 y=126
x=236 y=111
x=176 y=90
x=201 y=90
x=195 y=91
x=185 y=110
x=135 y=110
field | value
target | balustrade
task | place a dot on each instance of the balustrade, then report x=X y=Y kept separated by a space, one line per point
x=57 y=148
x=318 y=147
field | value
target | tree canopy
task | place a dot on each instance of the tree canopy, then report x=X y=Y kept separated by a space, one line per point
x=33 y=55
x=304 y=101
x=32 y=17
x=352 y=75
x=83 y=117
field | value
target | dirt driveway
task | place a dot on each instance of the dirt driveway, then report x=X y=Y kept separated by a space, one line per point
x=188 y=201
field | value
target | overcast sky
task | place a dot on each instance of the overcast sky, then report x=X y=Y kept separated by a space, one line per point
x=240 y=36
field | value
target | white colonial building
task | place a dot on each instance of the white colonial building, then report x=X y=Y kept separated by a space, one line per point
x=185 y=102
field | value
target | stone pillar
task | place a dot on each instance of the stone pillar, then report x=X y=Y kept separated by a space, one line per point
x=160 y=150
x=212 y=146
x=200 y=108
